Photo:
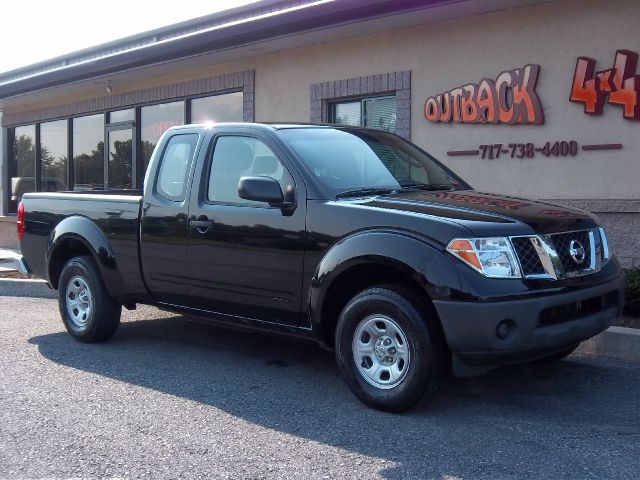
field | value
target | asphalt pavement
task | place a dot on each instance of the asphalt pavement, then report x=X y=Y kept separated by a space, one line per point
x=172 y=398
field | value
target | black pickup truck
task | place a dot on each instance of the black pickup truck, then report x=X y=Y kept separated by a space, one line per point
x=351 y=237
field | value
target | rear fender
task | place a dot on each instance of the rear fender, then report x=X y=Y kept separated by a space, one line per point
x=85 y=231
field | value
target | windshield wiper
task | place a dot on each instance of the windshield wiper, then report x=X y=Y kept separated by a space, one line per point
x=429 y=186
x=358 y=192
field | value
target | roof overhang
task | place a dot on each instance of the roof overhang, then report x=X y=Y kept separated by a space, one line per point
x=269 y=21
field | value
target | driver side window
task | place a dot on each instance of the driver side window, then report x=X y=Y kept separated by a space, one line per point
x=235 y=157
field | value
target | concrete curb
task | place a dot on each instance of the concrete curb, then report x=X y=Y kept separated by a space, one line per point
x=620 y=343
x=18 y=287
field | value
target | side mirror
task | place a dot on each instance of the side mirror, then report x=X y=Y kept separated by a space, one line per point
x=262 y=189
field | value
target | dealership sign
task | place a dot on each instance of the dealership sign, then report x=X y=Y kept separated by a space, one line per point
x=511 y=98
x=619 y=85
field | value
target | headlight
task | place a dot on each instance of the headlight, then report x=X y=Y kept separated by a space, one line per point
x=605 y=246
x=492 y=257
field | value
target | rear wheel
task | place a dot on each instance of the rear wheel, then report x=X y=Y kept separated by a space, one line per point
x=88 y=312
x=389 y=348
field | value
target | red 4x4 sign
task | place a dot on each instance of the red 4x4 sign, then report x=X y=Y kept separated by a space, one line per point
x=619 y=85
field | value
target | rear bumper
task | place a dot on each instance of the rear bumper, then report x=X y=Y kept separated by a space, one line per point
x=22 y=266
x=535 y=327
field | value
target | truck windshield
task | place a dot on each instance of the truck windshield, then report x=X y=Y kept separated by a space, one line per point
x=351 y=159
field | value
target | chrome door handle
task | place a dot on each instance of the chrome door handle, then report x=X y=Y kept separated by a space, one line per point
x=201 y=225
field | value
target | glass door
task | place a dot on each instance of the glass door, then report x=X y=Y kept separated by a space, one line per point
x=120 y=157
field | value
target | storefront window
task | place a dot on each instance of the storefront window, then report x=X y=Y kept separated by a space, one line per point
x=380 y=113
x=88 y=152
x=217 y=108
x=22 y=164
x=348 y=113
x=120 y=159
x=155 y=120
x=377 y=113
x=128 y=115
x=53 y=156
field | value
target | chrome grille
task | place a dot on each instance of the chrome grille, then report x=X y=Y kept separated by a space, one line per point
x=559 y=255
x=562 y=243
x=530 y=262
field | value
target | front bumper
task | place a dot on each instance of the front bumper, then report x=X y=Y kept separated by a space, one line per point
x=535 y=327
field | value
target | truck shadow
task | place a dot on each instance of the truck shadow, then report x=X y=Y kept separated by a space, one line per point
x=515 y=412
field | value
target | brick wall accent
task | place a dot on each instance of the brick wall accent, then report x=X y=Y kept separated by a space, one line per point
x=244 y=81
x=398 y=83
x=8 y=233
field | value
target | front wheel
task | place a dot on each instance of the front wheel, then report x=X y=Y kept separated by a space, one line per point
x=88 y=312
x=389 y=348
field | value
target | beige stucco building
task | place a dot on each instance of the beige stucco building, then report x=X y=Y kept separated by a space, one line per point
x=374 y=63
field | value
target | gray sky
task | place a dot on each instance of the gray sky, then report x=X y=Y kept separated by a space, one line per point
x=35 y=30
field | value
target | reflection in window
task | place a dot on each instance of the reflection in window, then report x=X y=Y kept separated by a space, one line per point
x=88 y=152
x=235 y=157
x=120 y=160
x=380 y=113
x=22 y=164
x=53 y=155
x=174 y=168
x=348 y=114
x=155 y=120
x=218 y=108
x=377 y=112
x=122 y=115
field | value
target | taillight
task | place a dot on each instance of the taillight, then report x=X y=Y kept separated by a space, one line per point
x=20 y=221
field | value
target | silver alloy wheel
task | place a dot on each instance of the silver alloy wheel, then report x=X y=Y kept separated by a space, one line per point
x=79 y=301
x=381 y=351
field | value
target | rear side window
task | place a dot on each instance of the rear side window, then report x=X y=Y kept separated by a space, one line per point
x=174 y=166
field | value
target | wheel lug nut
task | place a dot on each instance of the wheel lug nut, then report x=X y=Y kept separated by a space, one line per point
x=387 y=342
x=392 y=351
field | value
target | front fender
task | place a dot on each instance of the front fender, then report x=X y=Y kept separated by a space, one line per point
x=402 y=250
x=85 y=231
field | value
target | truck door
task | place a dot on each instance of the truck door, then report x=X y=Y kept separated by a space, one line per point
x=245 y=258
x=164 y=227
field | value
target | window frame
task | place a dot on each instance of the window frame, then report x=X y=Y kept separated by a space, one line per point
x=207 y=95
x=140 y=167
x=382 y=84
x=362 y=99
x=10 y=137
x=136 y=124
x=203 y=196
x=71 y=129
x=187 y=179
x=39 y=154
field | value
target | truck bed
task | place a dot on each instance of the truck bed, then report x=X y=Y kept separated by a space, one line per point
x=115 y=213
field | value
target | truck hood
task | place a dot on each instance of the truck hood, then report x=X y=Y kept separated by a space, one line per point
x=487 y=213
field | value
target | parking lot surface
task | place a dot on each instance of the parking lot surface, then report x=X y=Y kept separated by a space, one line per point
x=169 y=397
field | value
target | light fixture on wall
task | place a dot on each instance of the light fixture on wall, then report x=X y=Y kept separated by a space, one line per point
x=108 y=89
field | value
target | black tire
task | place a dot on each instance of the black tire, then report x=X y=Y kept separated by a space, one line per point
x=101 y=317
x=426 y=346
x=558 y=356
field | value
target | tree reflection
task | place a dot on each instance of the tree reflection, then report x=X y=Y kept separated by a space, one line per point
x=24 y=154
x=54 y=171
x=89 y=169
x=120 y=164
x=22 y=169
x=147 y=150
